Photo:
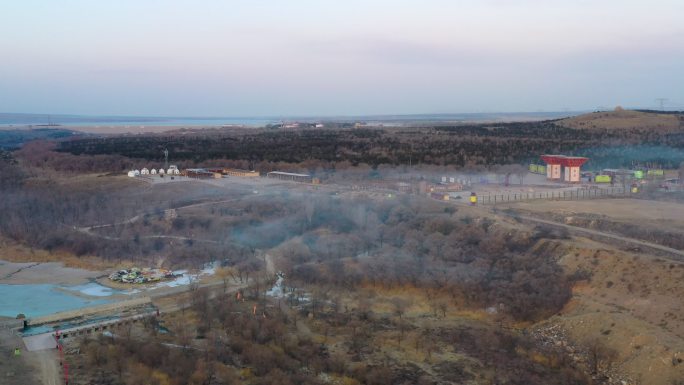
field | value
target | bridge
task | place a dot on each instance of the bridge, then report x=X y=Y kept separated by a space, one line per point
x=48 y=340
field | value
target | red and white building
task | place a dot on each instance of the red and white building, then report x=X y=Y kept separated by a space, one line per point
x=563 y=168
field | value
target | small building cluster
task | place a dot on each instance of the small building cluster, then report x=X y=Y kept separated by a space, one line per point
x=561 y=168
x=145 y=275
x=220 y=172
x=172 y=170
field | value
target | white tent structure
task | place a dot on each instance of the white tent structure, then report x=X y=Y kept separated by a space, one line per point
x=136 y=172
x=131 y=174
x=144 y=171
x=161 y=171
x=153 y=171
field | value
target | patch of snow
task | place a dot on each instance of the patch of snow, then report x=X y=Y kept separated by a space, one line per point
x=277 y=290
x=186 y=279
x=94 y=290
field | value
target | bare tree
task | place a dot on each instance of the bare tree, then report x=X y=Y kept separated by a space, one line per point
x=601 y=357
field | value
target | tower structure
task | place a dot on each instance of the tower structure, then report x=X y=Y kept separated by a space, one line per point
x=563 y=168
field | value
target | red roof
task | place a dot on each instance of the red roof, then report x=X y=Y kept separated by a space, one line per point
x=567 y=161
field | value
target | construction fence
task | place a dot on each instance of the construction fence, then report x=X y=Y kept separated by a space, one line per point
x=577 y=194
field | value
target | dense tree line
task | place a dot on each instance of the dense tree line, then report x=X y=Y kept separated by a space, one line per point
x=13 y=139
x=462 y=145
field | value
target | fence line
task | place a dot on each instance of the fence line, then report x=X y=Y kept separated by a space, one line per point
x=576 y=194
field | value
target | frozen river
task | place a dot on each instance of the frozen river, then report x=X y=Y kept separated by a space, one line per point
x=35 y=300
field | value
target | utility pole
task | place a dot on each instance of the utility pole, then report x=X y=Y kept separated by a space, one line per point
x=166 y=159
x=661 y=101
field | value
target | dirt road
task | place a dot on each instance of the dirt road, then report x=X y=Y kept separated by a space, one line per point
x=675 y=254
x=46 y=362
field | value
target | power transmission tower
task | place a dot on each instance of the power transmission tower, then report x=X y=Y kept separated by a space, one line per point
x=661 y=101
x=166 y=159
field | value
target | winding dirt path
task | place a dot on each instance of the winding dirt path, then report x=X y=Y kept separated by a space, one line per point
x=677 y=255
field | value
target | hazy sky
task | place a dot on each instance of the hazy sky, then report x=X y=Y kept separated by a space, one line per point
x=324 y=57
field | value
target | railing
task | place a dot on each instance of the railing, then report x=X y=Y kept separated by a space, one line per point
x=577 y=194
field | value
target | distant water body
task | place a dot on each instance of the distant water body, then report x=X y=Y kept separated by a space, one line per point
x=42 y=120
x=23 y=120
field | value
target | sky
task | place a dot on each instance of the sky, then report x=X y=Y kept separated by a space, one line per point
x=325 y=57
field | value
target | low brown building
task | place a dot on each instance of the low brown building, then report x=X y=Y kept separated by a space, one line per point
x=302 y=178
x=236 y=172
x=201 y=173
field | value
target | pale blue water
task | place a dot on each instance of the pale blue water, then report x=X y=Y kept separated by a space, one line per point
x=39 y=300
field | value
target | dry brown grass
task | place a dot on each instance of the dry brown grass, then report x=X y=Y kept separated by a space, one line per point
x=623 y=120
x=633 y=303
x=13 y=252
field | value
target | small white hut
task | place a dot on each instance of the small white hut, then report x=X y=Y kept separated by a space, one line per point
x=131 y=174
x=136 y=172
x=161 y=171
x=153 y=171
x=144 y=171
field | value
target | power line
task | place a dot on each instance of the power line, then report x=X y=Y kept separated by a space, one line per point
x=661 y=101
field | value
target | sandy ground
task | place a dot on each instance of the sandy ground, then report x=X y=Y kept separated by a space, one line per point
x=48 y=272
x=624 y=209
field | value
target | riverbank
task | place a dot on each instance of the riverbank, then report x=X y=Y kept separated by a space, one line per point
x=11 y=251
x=23 y=273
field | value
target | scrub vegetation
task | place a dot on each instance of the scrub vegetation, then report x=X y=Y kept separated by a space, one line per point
x=466 y=145
x=339 y=286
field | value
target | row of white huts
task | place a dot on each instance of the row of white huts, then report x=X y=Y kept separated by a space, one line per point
x=172 y=170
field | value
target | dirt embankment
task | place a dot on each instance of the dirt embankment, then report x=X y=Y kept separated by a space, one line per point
x=11 y=251
x=627 y=315
x=651 y=221
x=639 y=231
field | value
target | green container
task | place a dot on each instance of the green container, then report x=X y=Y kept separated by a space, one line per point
x=602 y=179
x=638 y=174
x=537 y=169
x=656 y=172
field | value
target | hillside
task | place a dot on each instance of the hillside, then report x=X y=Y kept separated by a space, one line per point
x=625 y=120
